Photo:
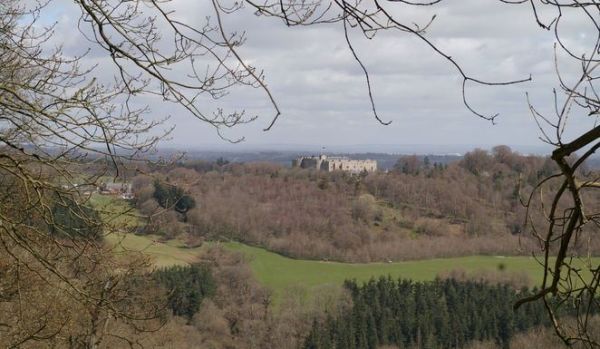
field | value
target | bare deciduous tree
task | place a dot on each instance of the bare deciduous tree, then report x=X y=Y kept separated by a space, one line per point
x=55 y=118
x=53 y=114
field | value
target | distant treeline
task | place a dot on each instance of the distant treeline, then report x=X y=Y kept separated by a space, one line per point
x=385 y=161
x=420 y=209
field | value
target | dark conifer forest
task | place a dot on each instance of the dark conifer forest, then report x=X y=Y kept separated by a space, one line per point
x=439 y=314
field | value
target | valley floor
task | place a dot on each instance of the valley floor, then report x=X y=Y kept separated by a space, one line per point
x=278 y=273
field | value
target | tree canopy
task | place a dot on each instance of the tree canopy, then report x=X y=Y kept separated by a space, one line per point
x=55 y=112
x=171 y=196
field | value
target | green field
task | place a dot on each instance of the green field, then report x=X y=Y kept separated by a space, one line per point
x=278 y=273
x=115 y=211
x=164 y=253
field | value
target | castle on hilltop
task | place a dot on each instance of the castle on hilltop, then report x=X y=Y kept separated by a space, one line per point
x=335 y=163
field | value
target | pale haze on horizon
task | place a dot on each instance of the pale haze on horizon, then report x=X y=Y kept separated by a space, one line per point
x=322 y=92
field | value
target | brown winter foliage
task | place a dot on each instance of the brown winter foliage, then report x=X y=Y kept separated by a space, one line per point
x=241 y=315
x=418 y=210
x=542 y=338
x=101 y=302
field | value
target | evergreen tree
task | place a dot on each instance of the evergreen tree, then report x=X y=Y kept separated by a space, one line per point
x=171 y=196
x=438 y=314
x=186 y=286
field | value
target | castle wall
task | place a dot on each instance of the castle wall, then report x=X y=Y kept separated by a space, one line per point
x=353 y=166
x=324 y=163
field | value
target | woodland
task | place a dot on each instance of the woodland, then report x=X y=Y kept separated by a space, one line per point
x=418 y=210
x=71 y=120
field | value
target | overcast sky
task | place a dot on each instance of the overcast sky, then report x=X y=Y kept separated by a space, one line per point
x=322 y=92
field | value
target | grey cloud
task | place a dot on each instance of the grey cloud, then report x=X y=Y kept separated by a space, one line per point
x=322 y=93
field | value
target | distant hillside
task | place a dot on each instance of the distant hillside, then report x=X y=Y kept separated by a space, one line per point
x=422 y=207
x=385 y=161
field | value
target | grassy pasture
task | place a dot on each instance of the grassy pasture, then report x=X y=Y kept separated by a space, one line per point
x=278 y=272
x=115 y=211
x=164 y=254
